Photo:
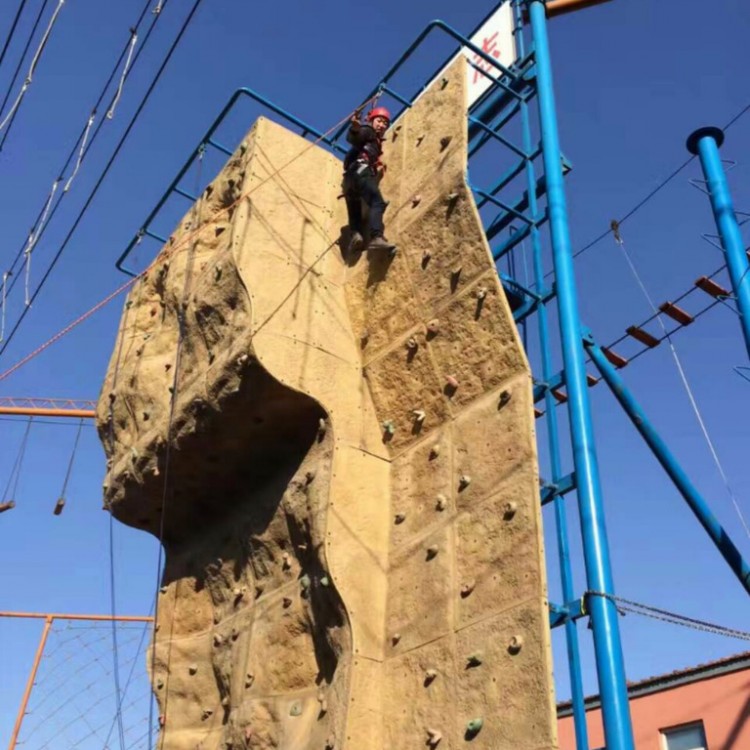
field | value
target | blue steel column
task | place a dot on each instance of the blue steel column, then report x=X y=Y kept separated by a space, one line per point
x=553 y=438
x=705 y=143
x=607 y=645
x=687 y=489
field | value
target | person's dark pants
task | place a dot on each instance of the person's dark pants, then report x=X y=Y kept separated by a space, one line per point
x=363 y=186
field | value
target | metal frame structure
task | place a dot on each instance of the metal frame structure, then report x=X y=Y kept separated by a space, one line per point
x=49 y=619
x=541 y=207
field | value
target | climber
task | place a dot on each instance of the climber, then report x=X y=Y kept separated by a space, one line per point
x=363 y=171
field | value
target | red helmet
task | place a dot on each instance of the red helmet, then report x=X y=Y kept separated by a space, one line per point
x=379 y=112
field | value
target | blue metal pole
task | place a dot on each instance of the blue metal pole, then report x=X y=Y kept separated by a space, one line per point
x=665 y=457
x=553 y=436
x=705 y=143
x=607 y=645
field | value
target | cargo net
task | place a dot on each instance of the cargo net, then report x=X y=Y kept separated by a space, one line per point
x=74 y=699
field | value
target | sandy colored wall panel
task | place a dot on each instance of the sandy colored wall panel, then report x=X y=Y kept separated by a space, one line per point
x=326 y=580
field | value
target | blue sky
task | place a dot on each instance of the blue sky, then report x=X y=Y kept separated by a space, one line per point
x=633 y=79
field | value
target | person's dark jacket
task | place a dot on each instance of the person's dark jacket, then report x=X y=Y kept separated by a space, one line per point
x=367 y=146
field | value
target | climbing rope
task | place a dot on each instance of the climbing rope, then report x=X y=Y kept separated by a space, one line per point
x=683 y=377
x=32 y=68
x=4 y=295
x=655 y=613
x=11 y=488
x=118 y=93
x=81 y=151
x=61 y=500
x=34 y=238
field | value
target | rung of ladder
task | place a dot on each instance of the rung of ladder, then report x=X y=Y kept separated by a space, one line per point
x=643 y=336
x=677 y=313
x=591 y=380
x=709 y=286
x=538 y=413
x=614 y=357
x=559 y=395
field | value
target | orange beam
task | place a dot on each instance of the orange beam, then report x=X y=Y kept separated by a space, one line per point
x=20 y=411
x=30 y=683
x=97 y=618
x=560 y=7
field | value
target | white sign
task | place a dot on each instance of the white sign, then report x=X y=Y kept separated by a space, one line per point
x=495 y=38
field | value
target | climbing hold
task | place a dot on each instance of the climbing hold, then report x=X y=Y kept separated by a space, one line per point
x=217 y=272
x=419 y=415
x=323 y=710
x=444 y=142
x=442 y=503
x=388 y=427
x=59 y=505
x=322 y=427
x=235 y=634
x=163 y=590
x=218 y=640
x=146 y=416
x=452 y=197
x=395 y=638
x=412 y=344
x=420 y=138
x=225 y=701
x=159 y=684
x=426 y=255
x=443 y=82
x=451 y=382
x=463 y=482
x=481 y=292
x=325 y=581
x=193 y=668
x=467 y=588
x=504 y=398
x=242 y=359
x=433 y=737
x=162 y=720
x=217 y=618
x=364 y=337
x=429 y=676
x=509 y=510
x=473 y=727
x=258 y=589
x=433 y=326
x=295 y=709
x=207 y=713
x=432 y=551
x=286 y=602
x=474 y=660
x=435 y=451
x=456 y=272
x=416 y=200
x=516 y=644
x=310 y=475
x=286 y=562
x=304 y=582
x=330 y=744
x=399 y=518
x=249 y=679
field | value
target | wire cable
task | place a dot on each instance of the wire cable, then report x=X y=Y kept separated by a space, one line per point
x=32 y=68
x=684 y=379
x=103 y=175
x=82 y=144
x=12 y=30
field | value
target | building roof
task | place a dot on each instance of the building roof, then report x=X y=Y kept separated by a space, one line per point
x=670 y=680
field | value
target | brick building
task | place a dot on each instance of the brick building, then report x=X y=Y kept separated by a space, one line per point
x=706 y=707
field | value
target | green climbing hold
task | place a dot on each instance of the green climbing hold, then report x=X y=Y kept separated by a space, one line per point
x=473 y=727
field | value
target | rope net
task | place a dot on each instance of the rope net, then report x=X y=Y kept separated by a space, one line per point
x=74 y=702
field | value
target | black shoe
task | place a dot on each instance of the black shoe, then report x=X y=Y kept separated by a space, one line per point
x=381 y=243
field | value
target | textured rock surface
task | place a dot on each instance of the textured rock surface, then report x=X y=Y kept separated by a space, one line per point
x=328 y=584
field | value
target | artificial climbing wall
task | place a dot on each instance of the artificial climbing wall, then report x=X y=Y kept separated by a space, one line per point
x=339 y=455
